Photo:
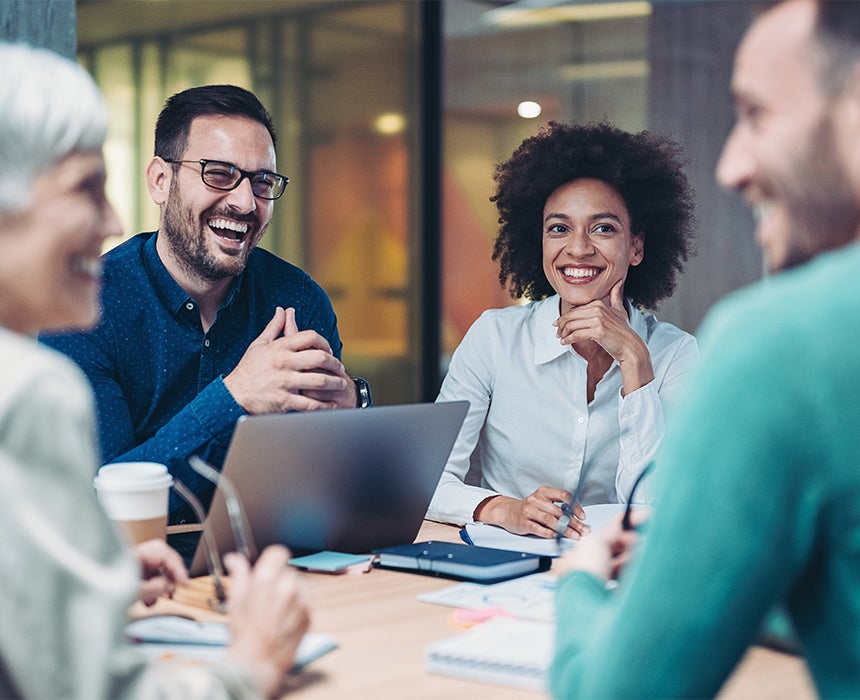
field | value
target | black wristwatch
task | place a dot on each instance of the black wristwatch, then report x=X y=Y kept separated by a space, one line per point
x=363 y=397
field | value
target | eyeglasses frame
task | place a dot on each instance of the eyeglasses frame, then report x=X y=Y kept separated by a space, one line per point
x=238 y=524
x=249 y=174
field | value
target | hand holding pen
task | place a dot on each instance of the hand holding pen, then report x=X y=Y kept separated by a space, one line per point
x=536 y=514
x=606 y=552
x=602 y=554
x=569 y=510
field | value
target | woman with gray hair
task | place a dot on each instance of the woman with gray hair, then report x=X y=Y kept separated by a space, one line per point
x=67 y=577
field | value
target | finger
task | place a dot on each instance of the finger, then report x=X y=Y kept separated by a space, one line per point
x=551 y=494
x=573 y=329
x=288 y=354
x=236 y=564
x=622 y=552
x=290 y=327
x=174 y=567
x=541 y=530
x=312 y=379
x=272 y=562
x=239 y=570
x=274 y=329
x=160 y=557
x=306 y=340
x=147 y=556
x=613 y=528
x=152 y=589
x=325 y=397
x=306 y=403
x=546 y=524
x=157 y=558
x=616 y=296
x=577 y=529
x=639 y=516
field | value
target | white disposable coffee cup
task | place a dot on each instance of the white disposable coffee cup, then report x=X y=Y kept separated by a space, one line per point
x=135 y=496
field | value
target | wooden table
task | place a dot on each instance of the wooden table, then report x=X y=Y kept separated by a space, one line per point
x=382 y=629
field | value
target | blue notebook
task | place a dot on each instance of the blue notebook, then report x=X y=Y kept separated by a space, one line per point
x=461 y=561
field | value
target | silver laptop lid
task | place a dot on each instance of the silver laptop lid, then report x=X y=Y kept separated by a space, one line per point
x=348 y=480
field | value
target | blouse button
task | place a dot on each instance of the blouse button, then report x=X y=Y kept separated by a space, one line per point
x=206 y=342
x=190 y=306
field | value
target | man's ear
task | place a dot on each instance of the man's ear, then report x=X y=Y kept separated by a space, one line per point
x=848 y=125
x=158 y=176
x=638 y=249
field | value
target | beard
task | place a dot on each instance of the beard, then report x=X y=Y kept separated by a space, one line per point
x=188 y=238
x=823 y=212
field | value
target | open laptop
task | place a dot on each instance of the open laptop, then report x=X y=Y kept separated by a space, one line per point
x=350 y=480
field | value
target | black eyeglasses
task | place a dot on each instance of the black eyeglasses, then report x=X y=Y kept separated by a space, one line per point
x=625 y=522
x=238 y=524
x=225 y=176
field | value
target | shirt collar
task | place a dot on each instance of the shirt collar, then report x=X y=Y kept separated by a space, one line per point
x=547 y=345
x=168 y=290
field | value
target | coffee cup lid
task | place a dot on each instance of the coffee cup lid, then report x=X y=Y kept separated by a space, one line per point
x=137 y=476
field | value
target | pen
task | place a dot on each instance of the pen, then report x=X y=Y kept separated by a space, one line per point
x=567 y=514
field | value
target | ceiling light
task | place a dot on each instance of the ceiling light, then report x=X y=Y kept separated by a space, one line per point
x=389 y=123
x=606 y=70
x=530 y=13
x=528 y=109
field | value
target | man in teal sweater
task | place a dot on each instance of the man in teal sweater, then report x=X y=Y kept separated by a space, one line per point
x=759 y=479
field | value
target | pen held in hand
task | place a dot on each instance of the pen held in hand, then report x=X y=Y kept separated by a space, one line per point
x=566 y=515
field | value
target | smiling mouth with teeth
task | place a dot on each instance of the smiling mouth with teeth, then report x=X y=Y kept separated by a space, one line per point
x=225 y=228
x=580 y=272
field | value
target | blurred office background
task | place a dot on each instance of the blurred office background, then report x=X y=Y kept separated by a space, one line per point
x=391 y=116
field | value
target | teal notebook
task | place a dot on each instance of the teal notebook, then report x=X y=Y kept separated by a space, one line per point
x=461 y=561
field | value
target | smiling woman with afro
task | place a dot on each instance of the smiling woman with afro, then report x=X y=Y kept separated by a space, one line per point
x=567 y=393
x=645 y=169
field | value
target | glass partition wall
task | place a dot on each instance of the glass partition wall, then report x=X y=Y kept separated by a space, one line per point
x=339 y=80
x=389 y=173
x=509 y=69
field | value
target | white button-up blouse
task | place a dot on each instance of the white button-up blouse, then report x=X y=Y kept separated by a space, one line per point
x=530 y=424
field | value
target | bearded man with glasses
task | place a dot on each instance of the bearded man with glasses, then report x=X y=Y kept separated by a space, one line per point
x=199 y=325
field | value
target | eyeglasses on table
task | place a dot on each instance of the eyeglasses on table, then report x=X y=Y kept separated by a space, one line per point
x=242 y=539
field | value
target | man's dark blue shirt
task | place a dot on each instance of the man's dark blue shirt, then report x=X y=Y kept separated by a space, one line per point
x=158 y=378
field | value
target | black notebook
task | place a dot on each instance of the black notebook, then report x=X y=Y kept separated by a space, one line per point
x=461 y=561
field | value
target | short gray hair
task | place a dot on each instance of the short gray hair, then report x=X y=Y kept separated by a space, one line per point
x=50 y=108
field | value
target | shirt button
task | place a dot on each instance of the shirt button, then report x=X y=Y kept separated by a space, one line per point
x=189 y=306
x=206 y=342
x=580 y=420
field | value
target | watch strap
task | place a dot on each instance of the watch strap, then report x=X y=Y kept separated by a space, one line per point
x=363 y=397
